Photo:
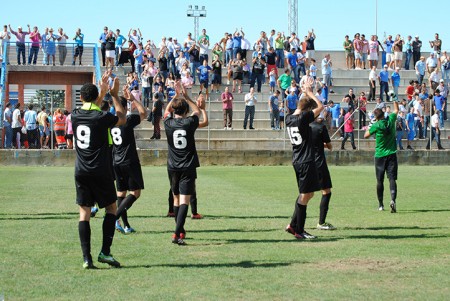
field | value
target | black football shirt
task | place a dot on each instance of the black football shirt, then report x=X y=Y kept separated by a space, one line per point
x=91 y=141
x=300 y=135
x=319 y=137
x=180 y=137
x=124 y=143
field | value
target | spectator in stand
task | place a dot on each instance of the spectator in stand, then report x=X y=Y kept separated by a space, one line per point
x=416 y=45
x=410 y=128
x=194 y=58
x=310 y=38
x=102 y=41
x=134 y=36
x=110 y=48
x=395 y=80
x=389 y=55
x=400 y=127
x=79 y=37
x=147 y=82
x=59 y=128
x=179 y=62
x=44 y=130
x=246 y=46
x=313 y=69
x=373 y=51
x=326 y=71
x=217 y=73
x=279 y=41
x=120 y=41
x=259 y=64
x=157 y=115
x=398 y=51
x=203 y=36
x=445 y=67
x=189 y=41
x=284 y=82
x=357 y=46
x=271 y=60
x=30 y=119
x=349 y=53
x=35 y=37
x=20 y=42
x=335 y=110
x=443 y=91
x=272 y=80
x=427 y=101
x=282 y=113
x=203 y=76
x=227 y=106
x=204 y=46
x=16 y=124
x=291 y=100
x=62 y=48
x=420 y=67
x=237 y=40
x=294 y=42
x=408 y=52
x=418 y=119
x=365 y=51
x=5 y=36
x=139 y=59
x=274 y=111
x=384 y=82
x=50 y=46
x=431 y=63
x=250 y=101
x=362 y=105
x=163 y=62
x=292 y=59
x=69 y=130
x=435 y=131
x=301 y=64
x=7 y=120
x=262 y=42
x=228 y=46
x=434 y=79
x=410 y=90
x=237 y=67
x=436 y=45
x=348 y=129
x=217 y=50
x=372 y=83
x=44 y=46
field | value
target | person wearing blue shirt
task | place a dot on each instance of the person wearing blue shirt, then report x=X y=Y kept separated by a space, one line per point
x=237 y=39
x=389 y=55
x=120 y=41
x=324 y=91
x=203 y=76
x=274 y=111
x=408 y=52
x=439 y=106
x=410 y=127
x=420 y=69
x=292 y=100
x=292 y=59
x=335 y=110
x=395 y=80
x=139 y=59
x=384 y=82
x=102 y=41
x=79 y=37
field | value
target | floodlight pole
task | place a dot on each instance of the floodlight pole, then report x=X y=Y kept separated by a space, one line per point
x=195 y=12
x=376 y=17
x=292 y=16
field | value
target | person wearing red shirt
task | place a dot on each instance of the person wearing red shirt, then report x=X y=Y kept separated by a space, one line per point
x=410 y=90
x=348 y=128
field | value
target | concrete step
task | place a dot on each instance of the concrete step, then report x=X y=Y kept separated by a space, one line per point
x=236 y=133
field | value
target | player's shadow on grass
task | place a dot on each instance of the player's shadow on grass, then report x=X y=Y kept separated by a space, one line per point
x=391 y=228
x=424 y=210
x=36 y=216
x=241 y=264
x=393 y=237
x=212 y=231
x=246 y=217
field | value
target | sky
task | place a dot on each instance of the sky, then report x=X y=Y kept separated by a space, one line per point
x=331 y=19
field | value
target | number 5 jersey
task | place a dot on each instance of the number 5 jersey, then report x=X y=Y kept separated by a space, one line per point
x=180 y=138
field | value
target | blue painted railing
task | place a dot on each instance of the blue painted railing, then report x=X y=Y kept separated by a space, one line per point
x=96 y=63
x=3 y=82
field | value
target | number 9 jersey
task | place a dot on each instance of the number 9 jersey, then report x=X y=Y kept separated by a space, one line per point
x=300 y=135
x=180 y=137
x=91 y=139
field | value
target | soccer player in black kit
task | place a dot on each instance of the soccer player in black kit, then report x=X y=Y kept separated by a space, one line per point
x=182 y=160
x=93 y=176
x=126 y=164
x=297 y=125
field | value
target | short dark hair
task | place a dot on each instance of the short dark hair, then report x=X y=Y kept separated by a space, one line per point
x=17 y=105
x=89 y=92
x=30 y=106
x=379 y=114
x=8 y=104
x=180 y=106
x=43 y=108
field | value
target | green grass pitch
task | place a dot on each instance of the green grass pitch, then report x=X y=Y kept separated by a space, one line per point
x=239 y=251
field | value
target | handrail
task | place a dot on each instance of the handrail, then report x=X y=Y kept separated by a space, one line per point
x=3 y=83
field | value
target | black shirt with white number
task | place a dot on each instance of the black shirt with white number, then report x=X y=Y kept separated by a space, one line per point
x=301 y=136
x=180 y=137
x=91 y=141
x=319 y=137
x=124 y=144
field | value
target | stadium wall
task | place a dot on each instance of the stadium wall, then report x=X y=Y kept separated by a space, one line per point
x=230 y=158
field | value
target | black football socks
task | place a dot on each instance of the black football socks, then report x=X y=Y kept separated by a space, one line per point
x=181 y=219
x=393 y=188
x=193 y=203
x=84 y=230
x=324 y=203
x=108 y=232
x=301 y=218
x=380 y=190
x=170 y=199
x=123 y=207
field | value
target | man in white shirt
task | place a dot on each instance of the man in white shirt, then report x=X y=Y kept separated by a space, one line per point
x=372 y=83
x=16 y=124
x=250 y=101
x=62 y=49
x=7 y=118
x=326 y=71
x=431 y=63
x=133 y=36
x=5 y=36
x=435 y=131
x=418 y=111
x=189 y=41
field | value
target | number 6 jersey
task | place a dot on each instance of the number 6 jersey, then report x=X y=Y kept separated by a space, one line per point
x=300 y=135
x=180 y=137
x=90 y=129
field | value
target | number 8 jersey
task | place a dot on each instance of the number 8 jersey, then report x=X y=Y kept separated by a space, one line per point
x=90 y=128
x=180 y=137
x=300 y=135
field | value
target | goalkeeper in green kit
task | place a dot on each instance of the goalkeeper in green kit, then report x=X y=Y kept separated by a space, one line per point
x=385 y=154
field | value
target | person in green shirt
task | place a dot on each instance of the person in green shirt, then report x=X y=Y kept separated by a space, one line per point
x=204 y=35
x=279 y=49
x=349 y=54
x=284 y=82
x=384 y=130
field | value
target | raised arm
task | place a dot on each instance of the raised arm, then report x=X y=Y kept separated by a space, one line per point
x=120 y=110
x=202 y=105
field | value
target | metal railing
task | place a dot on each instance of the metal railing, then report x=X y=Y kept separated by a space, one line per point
x=3 y=85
